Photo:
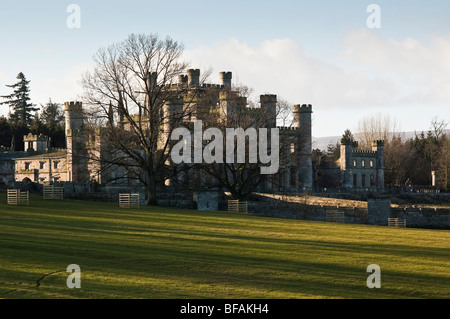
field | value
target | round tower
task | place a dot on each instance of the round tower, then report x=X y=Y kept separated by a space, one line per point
x=346 y=164
x=303 y=122
x=296 y=115
x=76 y=159
x=74 y=115
x=225 y=79
x=172 y=110
x=193 y=77
x=269 y=106
x=378 y=147
x=228 y=105
x=182 y=79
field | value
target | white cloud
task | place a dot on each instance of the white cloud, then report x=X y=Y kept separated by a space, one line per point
x=421 y=70
x=281 y=67
x=370 y=72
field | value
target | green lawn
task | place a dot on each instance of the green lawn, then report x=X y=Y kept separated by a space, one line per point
x=166 y=253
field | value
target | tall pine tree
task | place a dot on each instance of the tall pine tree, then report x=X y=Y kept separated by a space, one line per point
x=19 y=101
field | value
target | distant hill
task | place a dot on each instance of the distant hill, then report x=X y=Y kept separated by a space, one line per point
x=323 y=142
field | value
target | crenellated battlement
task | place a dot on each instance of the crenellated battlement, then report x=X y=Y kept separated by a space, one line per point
x=288 y=128
x=304 y=108
x=182 y=79
x=193 y=72
x=73 y=106
x=226 y=75
x=268 y=98
x=215 y=86
x=378 y=143
x=358 y=152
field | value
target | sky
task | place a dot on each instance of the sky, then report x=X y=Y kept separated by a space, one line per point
x=320 y=52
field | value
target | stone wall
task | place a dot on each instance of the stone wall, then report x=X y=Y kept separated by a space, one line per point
x=373 y=212
x=312 y=209
x=423 y=218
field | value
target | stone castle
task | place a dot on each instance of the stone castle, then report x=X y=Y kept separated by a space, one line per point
x=362 y=169
x=42 y=164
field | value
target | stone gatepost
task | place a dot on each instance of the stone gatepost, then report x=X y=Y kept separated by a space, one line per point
x=207 y=201
x=379 y=211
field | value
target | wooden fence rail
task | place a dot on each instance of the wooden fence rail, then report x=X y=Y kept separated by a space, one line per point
x=17 y=197
x=129 y=200
x=395 y=222
x=52 y=192
x=237 y=206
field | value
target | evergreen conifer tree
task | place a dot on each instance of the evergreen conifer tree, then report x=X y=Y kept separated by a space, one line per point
x=19 y=101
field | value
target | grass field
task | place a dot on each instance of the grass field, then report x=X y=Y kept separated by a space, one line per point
x=162 y=253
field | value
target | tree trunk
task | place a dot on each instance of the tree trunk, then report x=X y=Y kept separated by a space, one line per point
x=151 y=190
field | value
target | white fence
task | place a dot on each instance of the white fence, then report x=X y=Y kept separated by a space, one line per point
x=395 y=222
x=16 y=197
x=237 y=206
x=129 y=200
x=335 y=216
x=52 y=192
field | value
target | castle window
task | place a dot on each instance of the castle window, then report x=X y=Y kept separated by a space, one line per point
x=292 y=148
x=355 y=180
x=371 y=163
x=55 y=165
x=355 y=163
x=363 y=163
x=41 y=165
x=363 y=180
x=27 y=165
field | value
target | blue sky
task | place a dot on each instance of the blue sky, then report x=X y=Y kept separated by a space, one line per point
x=320 y=52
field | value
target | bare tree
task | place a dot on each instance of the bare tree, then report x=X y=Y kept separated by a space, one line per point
x=128 y=93
x=441 y=150
x=438 y=128
x=376 y=127
x=227 y=110
x=284 y=112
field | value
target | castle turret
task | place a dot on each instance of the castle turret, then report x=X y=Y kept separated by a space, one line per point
x=182 y=79
x=74 y=115
x=378 y=146
x=302 y=121
x=269 y=106
x=172 y=110
x=346 y=164
x=225 y=79
x=227 y=102
x=76 y=150
x=193 y=77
